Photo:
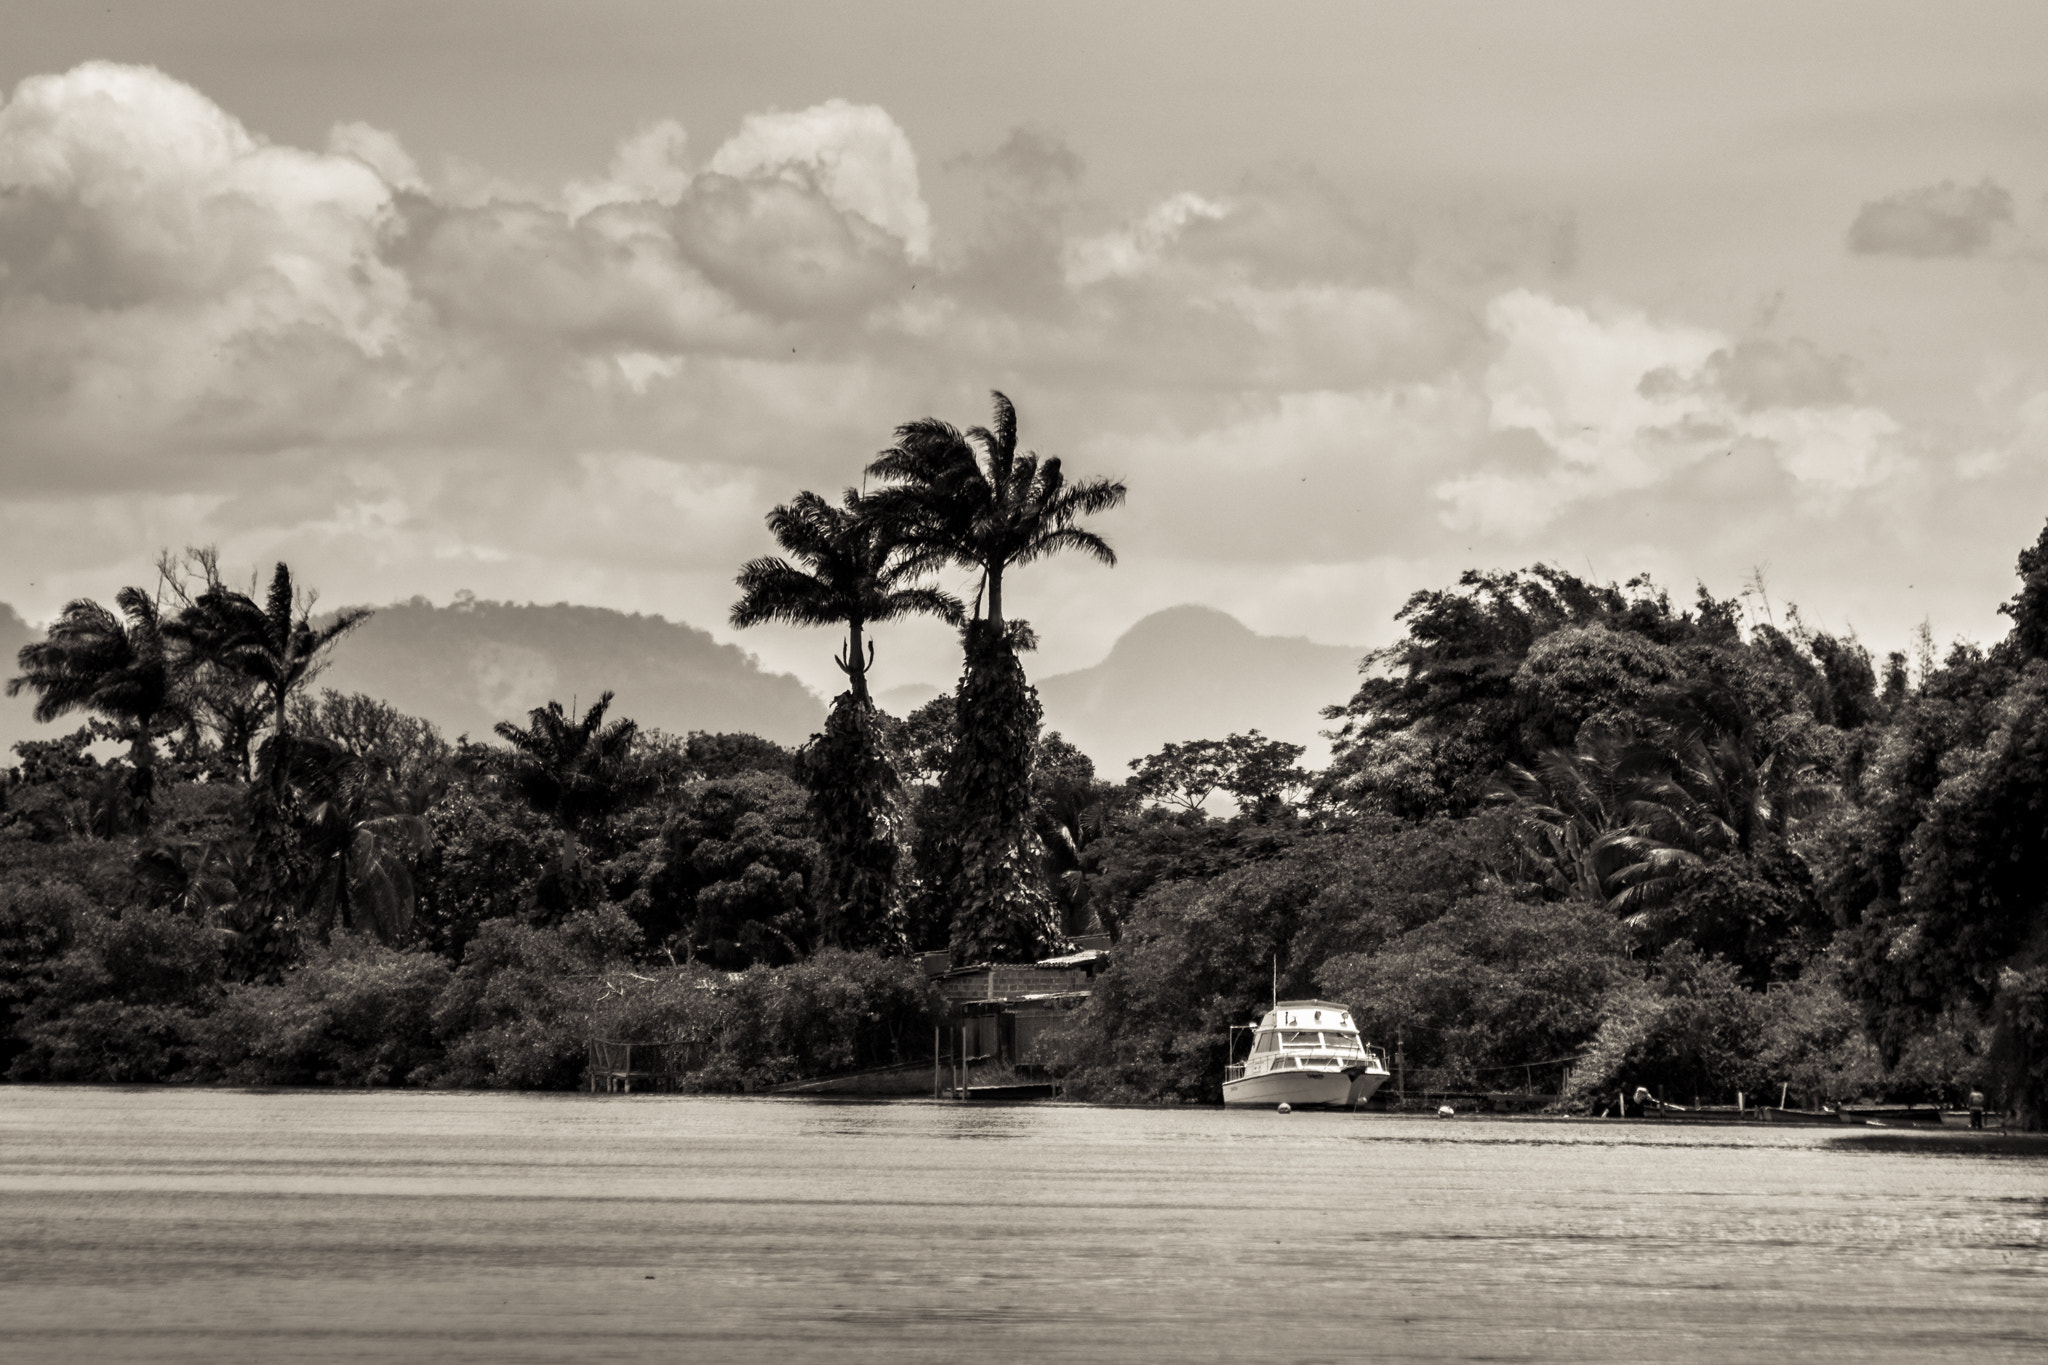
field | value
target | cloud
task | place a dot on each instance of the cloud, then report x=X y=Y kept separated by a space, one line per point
x=1620 y=403
x=1141 y=245
x=381 y=151
x=852 y=154
x=650 y=167
x=1945 y=220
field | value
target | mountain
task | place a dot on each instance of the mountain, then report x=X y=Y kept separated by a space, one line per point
x=15 y=712
x=467 y=666
x=1193 y=672
x=904 y=698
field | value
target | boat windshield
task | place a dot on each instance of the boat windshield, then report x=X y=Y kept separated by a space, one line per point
x=1336 y=1042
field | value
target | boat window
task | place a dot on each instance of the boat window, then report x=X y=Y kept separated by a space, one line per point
x=1266 y=1042
x=1302 y=1039
x=1281 y=1064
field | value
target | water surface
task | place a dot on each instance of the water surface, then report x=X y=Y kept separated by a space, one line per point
x=208 y=1225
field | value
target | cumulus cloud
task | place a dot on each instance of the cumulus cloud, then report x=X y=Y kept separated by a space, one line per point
x=381 y=151
x=1621 y=403
x=1945 y=220
x=650 y=167
x=853 y=154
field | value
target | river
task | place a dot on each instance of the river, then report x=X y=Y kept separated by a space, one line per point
x=214 y=1225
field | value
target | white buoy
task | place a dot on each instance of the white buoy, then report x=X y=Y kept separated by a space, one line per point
x=1286 y=1108
x=1446 y=1112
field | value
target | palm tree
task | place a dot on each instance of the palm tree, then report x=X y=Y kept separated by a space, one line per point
x=274 y=644
x=970 y=499
x=573 y=771
x=93 y=660
x=851 y=574
x=1598 y=822
x=849 y=571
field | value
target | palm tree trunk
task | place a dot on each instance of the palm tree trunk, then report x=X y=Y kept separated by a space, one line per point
x=142 y=758
x=856 y=662
x=995 y=597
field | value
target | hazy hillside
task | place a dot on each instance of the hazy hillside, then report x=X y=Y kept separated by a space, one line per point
x=1197 y=673
x=14 y=711
x=904 y=698
x=466 y=667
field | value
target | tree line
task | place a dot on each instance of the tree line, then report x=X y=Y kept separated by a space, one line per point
x=1573 y=835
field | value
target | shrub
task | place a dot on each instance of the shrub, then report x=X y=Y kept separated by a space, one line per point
x=353 y=1013
x=123 y=1001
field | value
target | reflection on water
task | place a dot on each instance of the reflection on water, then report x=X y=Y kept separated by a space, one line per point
x=223 y=1225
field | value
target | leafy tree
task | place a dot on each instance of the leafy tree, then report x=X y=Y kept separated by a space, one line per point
x=1254 y=770
x=2028 y=608
x=486 y=855
x=1488 y=989
x=1468 y=690
x=731 y=886
x=92 y=660
x=971 y=499
x=1183 y=776
x=1969 y=918
x=714 y=756
x=403 y=748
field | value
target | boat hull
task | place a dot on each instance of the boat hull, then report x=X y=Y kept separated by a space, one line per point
x=1299 y=1089
x=1365 y=1086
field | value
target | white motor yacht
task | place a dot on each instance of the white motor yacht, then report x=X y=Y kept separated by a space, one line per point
x=1305 y=1052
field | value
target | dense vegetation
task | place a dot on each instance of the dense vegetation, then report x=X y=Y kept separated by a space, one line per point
x=1575 y=835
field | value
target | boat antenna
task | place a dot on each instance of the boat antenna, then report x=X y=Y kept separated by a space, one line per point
x=1276 y=981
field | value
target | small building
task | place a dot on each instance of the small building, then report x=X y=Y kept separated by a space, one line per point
x=996 y=1012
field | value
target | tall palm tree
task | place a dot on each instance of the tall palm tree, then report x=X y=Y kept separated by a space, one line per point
x=972 y=500
x=274 y=644
x=92 y=660
x=969 y=498
x=849 y=571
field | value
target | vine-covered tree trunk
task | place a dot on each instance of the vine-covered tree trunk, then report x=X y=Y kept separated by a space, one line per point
x=854 y=796
x=1001 y=912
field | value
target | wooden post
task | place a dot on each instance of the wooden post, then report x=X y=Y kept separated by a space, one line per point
x=1782 y=1091
x=935 y=1061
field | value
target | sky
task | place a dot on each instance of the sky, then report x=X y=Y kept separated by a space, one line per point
x=553 y=302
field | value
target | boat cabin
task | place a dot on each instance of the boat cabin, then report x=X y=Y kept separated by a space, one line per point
x=1307 y=1035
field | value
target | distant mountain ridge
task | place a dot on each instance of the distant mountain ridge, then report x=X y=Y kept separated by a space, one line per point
x=1193 y=672
x=472 y=664
x=1189 y=672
